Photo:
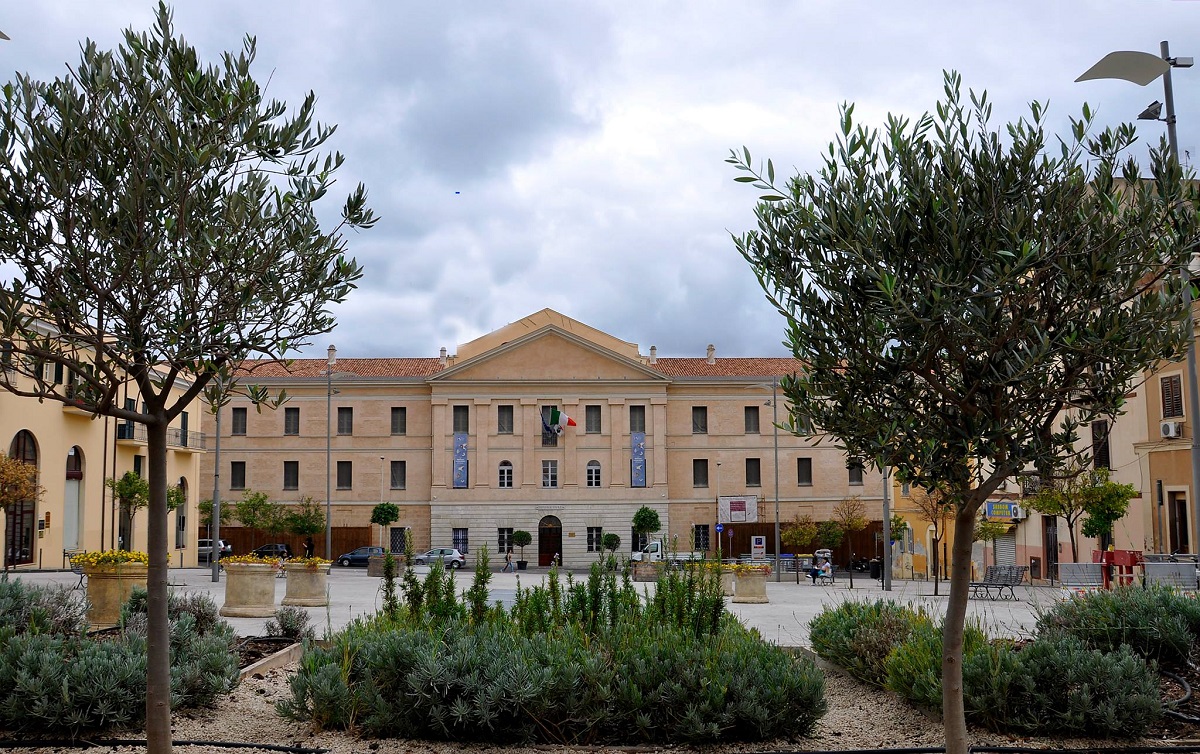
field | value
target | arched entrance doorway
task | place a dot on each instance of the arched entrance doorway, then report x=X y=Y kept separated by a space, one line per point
x=18 y=531
x=549 y=540
x=73 y=499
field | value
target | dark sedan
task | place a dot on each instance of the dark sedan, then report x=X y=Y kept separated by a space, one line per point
x=358 y=556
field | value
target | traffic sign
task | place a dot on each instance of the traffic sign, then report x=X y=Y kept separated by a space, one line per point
x=720 y=528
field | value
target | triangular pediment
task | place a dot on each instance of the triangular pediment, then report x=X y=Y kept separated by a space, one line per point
x=549 y=354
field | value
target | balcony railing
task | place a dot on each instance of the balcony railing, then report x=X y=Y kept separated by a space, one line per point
x=130 y=432
x=181 y=438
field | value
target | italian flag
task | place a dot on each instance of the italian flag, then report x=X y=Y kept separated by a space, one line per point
x=558 y=420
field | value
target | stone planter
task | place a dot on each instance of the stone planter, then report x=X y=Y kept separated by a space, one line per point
x=727 y=583
x=751 y=587
x=645 y=571
x=109 y=587
x=249 y=590
x=306 y=584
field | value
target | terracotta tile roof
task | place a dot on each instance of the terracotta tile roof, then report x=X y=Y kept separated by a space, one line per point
x=726 y=367
x=301 y=368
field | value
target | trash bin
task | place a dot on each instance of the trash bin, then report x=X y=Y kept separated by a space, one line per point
x=876 y=567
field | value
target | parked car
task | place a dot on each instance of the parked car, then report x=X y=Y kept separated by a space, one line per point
x=358 y=556
x=450 y=556
x=277 y=550
x=204 y=550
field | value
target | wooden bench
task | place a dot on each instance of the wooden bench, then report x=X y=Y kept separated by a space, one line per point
x=1181 y=576
x=1080 y=578
x=996 y=580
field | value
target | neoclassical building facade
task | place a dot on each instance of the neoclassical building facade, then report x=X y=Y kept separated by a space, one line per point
x=74 y=453
x=460 y=444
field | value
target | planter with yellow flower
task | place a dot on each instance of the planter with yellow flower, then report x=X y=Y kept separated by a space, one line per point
x=727 y=578
x=307 y=582
x=111 y=577
x=751 y=582
x=249 y=586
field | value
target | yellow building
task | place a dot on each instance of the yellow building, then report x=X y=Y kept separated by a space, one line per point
x=75 y=453
x=458 y=442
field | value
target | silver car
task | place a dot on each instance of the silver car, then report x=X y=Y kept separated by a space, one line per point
x=450 y=556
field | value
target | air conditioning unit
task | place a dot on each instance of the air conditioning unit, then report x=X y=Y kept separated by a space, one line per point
x=1018 y=513
x=1171 y=429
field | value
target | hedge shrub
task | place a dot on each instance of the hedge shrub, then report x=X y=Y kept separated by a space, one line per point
x=1157 y=623
x=859 y=636
x=588 y=662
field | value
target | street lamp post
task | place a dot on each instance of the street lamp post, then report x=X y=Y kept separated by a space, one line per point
x=214 y=531
x=332 y=353
x=775 y=424
x=1141 y=68
x=719 y=548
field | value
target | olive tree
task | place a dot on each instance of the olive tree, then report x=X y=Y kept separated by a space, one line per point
x=964 y=298
x=159 y=226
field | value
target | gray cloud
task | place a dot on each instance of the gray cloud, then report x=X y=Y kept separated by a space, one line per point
x=570 y=155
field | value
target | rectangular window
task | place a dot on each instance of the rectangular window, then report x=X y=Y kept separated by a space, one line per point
x=856 y=472
x=699 y=472
x=637 y=418
x=137 y=465
x=345 y=420
x=804 y=472
x=1100 y=454
x=345 y=475
x=752 y=420
x=700 y=540
x=462 y=418
x=699 y=420
x=458 y=540
x=399 y=476
x=504 y=541
x=291 y=475
x=505 y=478
x=504 y=420
x=237 y=475
x=399 y=420
x=239 y=421
x=905 y=489
x=549 y=438
x=595 y=535
x=593 y=474
x=592 y=419
x=291 y=421
x=549 y=473
x=753 y=472
x=1172 y=397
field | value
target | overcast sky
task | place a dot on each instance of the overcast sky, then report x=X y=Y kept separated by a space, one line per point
x=570 y=154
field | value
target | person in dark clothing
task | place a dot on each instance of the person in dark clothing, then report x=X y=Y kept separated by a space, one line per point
x=308 y=547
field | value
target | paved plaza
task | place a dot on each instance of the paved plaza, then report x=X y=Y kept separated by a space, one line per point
x=782 y=620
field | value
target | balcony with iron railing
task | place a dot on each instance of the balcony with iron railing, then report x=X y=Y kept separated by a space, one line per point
x=130 y=433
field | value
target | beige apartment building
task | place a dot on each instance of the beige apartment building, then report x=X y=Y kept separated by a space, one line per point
x=75 y=453
x=459 y=443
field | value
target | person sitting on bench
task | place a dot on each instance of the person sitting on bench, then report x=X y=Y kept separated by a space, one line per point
x=821 y=569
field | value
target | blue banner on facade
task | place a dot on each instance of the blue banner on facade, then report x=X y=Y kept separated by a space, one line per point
x=460 y=460
x=638 y=475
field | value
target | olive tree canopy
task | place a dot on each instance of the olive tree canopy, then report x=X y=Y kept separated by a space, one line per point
x=160 y=216
x=964 y=298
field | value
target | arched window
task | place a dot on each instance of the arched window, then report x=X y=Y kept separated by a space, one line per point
x=593 y=474
x=20 y=516
x=505 y=480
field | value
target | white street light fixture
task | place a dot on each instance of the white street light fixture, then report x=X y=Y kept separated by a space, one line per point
x=1141 y=68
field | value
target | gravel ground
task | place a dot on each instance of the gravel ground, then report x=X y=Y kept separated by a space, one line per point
x=858 y=718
